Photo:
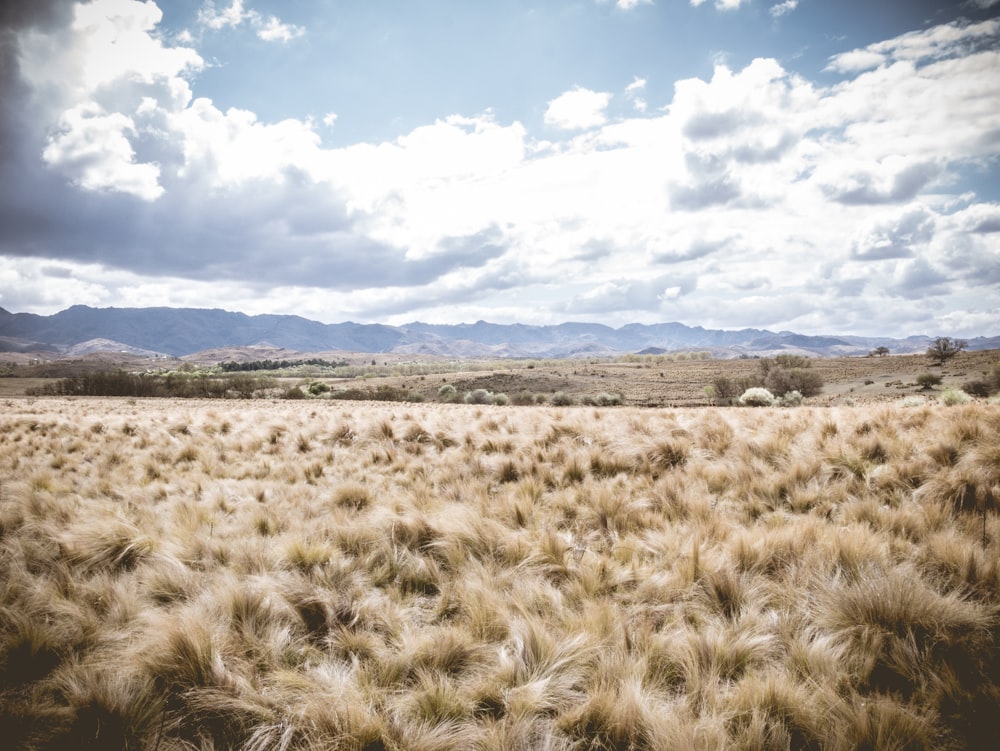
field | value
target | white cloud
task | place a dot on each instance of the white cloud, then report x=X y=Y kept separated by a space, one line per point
x=94 y=149
x=936 y=43
x=634 y=93
x=629 y=4
x=110 y=71
x=577 y=109
x=895 y=235
x=232 y=16
x=782 y=8
x=722 y=4
x=270 y=29
x=232 y=148
x=110 y=42
x=273 y=30
x=823 y=193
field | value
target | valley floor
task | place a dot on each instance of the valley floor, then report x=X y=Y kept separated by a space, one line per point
x=334 y=575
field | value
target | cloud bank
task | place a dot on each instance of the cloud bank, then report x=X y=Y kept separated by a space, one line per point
x=753 y=197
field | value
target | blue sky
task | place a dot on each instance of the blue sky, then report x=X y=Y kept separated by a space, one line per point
x=814 y=166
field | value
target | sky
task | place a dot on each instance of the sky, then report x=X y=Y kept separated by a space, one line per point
x=806 y=165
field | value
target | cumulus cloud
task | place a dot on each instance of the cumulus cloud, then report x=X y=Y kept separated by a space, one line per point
x=713 y=209
x=632 y=294
x=629 y=4
x=577 y=109
x=93 y=148
x=917 y=279
x=980 y=218
x=895 y=235
x=895 y=179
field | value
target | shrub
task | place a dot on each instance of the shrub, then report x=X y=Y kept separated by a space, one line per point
x=791 y=399
x=780 y=380
x=562 y=399
x=447 y=392
x=757 y=397
x=601 y=400
x=927 y=381
x=790 y=362
x=295 y=392
x=478 y=396
x=501 y=400
x=993 y=378
x=977 y=388
x=951 y=397
x=318 y=387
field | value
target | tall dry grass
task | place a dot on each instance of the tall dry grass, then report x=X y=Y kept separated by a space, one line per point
x=184 y=575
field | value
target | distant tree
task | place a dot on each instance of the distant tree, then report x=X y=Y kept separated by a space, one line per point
x=779 y=381
x=945 y=348
x=788 y=372
x=880 y=351
x=724 y=391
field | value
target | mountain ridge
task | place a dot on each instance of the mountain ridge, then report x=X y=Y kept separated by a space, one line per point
x=186 y=331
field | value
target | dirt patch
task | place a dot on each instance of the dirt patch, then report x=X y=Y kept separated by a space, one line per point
x=512 y=383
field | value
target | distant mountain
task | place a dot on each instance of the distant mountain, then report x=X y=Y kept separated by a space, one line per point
x=183 y=331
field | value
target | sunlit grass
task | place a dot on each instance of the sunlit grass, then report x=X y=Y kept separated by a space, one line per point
x=288 y=575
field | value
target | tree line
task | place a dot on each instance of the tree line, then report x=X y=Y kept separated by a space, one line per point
x=232 y=366
x=183 y=385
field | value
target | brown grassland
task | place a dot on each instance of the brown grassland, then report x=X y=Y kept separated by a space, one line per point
x=194 y=575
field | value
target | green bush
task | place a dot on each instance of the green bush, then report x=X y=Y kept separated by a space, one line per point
x=316 y=388
x=927 y=381
x=952 y=397
x=562 y=399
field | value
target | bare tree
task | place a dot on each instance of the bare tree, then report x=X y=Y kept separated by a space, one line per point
x=945 y=348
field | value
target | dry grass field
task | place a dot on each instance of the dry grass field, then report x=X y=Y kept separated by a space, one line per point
x=641 y=381
x=194 y=575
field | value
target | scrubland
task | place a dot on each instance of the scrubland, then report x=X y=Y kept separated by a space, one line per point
x=302 y=575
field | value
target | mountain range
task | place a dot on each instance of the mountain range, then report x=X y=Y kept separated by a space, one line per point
x=178 y=332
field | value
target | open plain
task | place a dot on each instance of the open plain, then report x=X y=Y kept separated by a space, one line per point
x=270 y=574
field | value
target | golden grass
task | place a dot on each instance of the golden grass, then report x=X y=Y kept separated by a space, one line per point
x=289 y=575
